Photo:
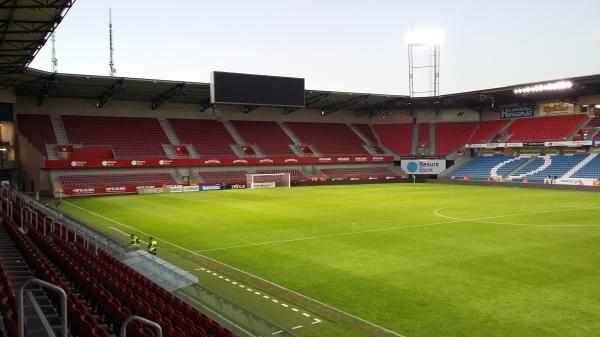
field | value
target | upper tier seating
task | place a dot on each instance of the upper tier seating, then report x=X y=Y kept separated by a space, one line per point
x=269 y=137
x=331 y=139
x=209 y=137
x=227 y=177
x=366 y=131
x=396 y=137
x=591 y=170
x=117 y=180
x=359 y=172
x=449 y=137
x=540 y=129
x=486 y=130
x=479 y=167
x=129 y=137
x=38 y=130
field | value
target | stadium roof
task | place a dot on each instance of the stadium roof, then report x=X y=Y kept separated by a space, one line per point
x=25 y=26
x=43 y=84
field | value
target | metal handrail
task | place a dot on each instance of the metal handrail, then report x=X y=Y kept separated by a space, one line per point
x=49 y=286
x=142 y=320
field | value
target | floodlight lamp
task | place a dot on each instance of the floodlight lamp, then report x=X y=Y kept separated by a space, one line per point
x=560 y=85
x=425 y=36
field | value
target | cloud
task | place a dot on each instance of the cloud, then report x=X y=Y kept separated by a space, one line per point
x=597 y=36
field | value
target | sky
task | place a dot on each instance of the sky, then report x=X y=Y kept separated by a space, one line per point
x=338 y=45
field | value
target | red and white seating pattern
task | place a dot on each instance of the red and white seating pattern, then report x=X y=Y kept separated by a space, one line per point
x=129 y=137
x=209 y=137
x=117 y=180
x=38 y=130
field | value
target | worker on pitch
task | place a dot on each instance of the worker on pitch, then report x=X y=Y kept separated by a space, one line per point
x=152 y=245
x=135 y=241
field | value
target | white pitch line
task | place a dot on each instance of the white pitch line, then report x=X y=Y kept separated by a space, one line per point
x=228 y=280
x=376 y=230
x=294 y=309
x=265 y=296
x=277 y=332
x=305 y=314
x=316 y=321
x=482 y=220
x=233 y=282
x=274 y=300
x=257 y=293
x=284 y=305
x=297 y=327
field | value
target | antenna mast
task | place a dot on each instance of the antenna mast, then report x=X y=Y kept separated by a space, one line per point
x=54 y=60
x=111 y=65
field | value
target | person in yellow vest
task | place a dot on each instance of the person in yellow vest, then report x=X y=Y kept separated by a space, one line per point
x=135 y=241
x=152 y=246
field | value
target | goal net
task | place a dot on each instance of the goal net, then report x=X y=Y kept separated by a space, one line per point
x=268 y=180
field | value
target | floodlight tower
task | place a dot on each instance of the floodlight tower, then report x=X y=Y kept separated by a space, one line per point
x=111 y=65
x=54 y=60
x=426 y=43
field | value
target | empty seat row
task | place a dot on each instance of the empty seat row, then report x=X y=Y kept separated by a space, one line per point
x=117 y=180
x=359 y=172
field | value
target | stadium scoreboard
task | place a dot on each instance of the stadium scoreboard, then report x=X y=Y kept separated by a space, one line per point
x=256 y=90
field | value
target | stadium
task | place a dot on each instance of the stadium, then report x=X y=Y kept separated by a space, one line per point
x=251 y=205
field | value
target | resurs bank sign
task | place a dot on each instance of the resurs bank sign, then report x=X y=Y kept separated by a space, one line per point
x=423 y=166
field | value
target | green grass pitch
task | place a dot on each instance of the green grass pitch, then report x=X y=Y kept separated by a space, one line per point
x=422 y=260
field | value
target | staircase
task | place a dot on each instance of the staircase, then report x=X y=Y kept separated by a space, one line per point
x=579 y=127
x=168 y=148
x=192 y=151
x=359 y=134
x=415 y=138
x=234 y=133
x=579 y=166
x=432 y=138
x=290 y=134
x=385 y=149
x=237 y=149
x=51 y=151
x=298 y=152
x=59 y=130
x=41 y=316
x=516 y=169
x=593 y=134
x=171 y=135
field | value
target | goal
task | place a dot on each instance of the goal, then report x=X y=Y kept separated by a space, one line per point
x=268 y=180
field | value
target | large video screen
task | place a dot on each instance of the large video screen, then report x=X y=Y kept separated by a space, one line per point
x=260 y=90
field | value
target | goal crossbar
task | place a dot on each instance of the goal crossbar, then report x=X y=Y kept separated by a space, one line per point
x=268 y=180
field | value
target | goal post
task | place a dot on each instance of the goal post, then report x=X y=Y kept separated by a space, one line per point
x=268 y=180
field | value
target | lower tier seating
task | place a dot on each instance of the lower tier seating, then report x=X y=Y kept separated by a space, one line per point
x=117 y=180
x=479 y=167
x=107 y=286
x=558 y=166
x=591 y=170
x=359 y=172
x=223 y=177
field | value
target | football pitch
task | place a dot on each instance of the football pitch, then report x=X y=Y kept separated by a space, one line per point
x=421 y=260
